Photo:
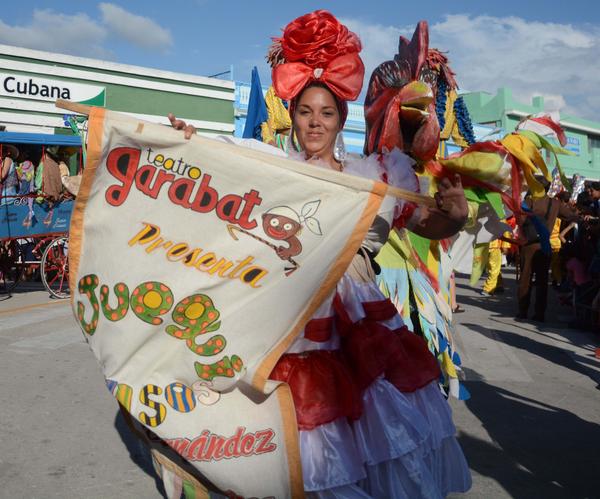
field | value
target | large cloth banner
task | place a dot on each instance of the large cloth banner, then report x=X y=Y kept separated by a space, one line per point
x=194 y=265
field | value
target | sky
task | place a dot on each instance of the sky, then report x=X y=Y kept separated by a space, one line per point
x=547 y=48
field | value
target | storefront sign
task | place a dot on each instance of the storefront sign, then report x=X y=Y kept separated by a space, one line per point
x=33 y=87
x=573 y=145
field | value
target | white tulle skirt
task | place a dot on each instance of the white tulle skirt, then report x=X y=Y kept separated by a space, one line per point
x=403 y=443
x=403 y=446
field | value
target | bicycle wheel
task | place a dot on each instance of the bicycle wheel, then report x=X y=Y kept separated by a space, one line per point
x=11 y=265
x=55 y=268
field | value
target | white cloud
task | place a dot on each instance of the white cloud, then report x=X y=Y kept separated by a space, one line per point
x=552 y=102
x=379 y=43
x=79 y=34
x=75 y=34
x=557 y=61
x=140 y=31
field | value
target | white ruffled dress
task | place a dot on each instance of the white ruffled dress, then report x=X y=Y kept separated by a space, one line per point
x=373 y=422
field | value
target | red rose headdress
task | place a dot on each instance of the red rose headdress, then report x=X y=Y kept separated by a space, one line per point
x=316 y=47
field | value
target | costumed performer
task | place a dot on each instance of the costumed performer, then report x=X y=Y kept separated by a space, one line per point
x=410 y=98
x=494 y=283
x=371 y=418
x=535 y=254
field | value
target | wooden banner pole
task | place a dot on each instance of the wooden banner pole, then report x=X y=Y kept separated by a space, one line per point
x=76 y=107
x=392 y=191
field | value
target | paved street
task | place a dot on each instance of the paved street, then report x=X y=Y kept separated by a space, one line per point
x=532 y=426
x=60 y=435
x=531 y=429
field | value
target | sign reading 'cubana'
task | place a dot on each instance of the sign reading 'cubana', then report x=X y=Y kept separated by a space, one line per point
x=33 y=87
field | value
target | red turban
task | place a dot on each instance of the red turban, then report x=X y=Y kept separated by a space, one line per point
x=316 y=47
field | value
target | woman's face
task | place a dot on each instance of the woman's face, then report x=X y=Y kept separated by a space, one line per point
x=317 y=122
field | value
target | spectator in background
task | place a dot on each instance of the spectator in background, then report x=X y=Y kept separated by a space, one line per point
x=9 y=178
x=511 y=250
x=26 y=173
x=586 y=234
x=534 y=261
x=584 y=289
x=577 y=274
x=594 y=193
x=556 y=261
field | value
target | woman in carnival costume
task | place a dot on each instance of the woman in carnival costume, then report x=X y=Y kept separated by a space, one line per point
x=371 y=418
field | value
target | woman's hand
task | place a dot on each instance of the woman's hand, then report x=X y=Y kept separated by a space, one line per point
x=188 y=130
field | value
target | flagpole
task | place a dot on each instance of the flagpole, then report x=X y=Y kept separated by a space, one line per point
x=316 y=172
x=76 y=107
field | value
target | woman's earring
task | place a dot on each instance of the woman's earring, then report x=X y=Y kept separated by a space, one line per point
x=339 y=148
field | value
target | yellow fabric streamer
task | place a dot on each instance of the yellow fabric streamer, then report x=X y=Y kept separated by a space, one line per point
x=448 y=366
x=529 y=159
x=484 y=166
x=279 y=118
x=433 y=259
x=397 y=244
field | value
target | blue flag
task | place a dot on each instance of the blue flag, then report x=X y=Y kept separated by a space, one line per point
x=257 y=109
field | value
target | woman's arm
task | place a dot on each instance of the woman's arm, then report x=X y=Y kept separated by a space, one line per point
x=448 y=217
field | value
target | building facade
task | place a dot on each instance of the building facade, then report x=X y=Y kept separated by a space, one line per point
x=31 y=80
x=503 y=111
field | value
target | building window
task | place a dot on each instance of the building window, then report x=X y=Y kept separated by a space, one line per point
x=593 y=142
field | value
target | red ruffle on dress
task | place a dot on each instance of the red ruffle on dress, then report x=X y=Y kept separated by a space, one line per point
x=373 y=349
x=322 y=387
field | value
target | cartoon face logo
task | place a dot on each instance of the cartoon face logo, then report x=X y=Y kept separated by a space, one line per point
x=283 y=223
x=280 y=227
